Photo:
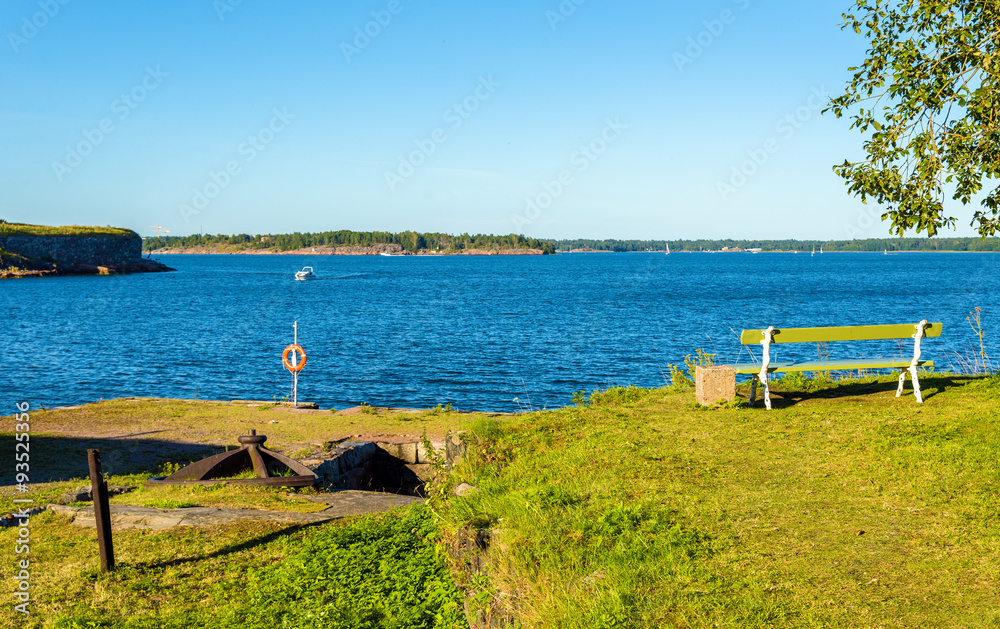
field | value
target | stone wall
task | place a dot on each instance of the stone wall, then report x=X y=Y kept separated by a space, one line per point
x=74 y=250
x=384 y=466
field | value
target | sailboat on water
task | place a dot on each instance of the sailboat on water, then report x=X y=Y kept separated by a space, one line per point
x=668 y=249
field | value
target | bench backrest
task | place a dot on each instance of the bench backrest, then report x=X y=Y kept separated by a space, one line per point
x=845 y=333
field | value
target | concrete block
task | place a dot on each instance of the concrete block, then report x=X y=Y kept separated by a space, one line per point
x=712 y=384
x=422 y=455
x=418 y=471
x=405 y=452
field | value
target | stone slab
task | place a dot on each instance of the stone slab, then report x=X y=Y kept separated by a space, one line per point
x=713 y=384
x=342 y=504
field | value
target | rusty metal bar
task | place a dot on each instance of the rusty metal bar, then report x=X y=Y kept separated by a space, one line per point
x=102 y=511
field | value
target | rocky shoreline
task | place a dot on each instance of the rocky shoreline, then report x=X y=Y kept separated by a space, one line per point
x=24 y=267
x=54 y=255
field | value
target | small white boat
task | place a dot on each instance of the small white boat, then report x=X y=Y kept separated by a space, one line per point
x=668 y=250
x=305 y=274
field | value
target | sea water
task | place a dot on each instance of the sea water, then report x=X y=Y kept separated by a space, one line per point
x=474 y=332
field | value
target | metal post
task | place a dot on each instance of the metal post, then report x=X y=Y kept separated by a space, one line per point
x=295 y=374
x=102 y=511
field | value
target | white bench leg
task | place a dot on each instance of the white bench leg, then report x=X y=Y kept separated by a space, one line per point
x=767 y=392
x=916 y=359
x=902 y=379
x=916 y=385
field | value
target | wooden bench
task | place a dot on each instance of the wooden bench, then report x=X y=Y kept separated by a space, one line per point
x=826 y=335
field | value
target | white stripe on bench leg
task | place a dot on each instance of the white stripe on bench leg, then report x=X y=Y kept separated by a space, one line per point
x=902 y=379
x=753 y=389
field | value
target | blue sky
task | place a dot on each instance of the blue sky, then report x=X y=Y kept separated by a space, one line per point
x=580 y=118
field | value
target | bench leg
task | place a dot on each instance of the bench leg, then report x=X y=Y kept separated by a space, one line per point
x=767 y=392
x=902 y=379
x=916 y=385
x=753 y=390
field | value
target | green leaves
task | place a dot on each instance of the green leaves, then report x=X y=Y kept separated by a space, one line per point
x=930 y=68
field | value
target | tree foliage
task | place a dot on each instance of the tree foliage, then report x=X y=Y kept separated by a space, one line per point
x=408 y=240
x=926 y=98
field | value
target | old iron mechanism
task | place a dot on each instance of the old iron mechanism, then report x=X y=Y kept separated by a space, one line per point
x=220 y=468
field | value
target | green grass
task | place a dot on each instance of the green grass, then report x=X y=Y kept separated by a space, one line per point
x=140 y=435
x=843 y=507
x=24 y=229
x=368 y=572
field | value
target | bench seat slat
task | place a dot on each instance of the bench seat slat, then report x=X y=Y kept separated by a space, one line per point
x=845 y=333
x=831 y=365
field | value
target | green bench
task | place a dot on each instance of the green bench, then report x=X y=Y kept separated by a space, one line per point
x=774 y=335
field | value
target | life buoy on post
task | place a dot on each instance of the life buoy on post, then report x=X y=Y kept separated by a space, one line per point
x=284 y=358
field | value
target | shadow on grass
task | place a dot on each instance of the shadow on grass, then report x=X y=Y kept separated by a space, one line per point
x=248 y=544
x=930 y=386
x=55 y=458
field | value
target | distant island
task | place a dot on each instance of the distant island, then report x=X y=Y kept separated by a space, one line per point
x=42 y=250
x=346 y=242
x=890 y=245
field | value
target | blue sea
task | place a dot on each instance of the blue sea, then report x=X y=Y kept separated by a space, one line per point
x=474 y=332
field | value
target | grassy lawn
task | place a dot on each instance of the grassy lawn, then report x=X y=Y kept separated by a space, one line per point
x=842 y=507
x=24 y=229
x=373 y=571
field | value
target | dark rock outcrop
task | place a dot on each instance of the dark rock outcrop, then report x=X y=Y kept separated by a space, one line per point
x=39 y=256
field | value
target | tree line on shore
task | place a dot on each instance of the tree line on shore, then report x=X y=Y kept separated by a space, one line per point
x=869 y=244
x=408 y=240
x=416 y=241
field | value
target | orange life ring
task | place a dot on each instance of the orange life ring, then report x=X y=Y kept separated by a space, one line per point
x=288 y=365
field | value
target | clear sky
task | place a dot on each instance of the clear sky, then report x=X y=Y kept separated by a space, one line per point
x=555 y=119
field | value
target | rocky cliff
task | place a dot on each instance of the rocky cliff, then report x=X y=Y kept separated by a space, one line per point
x=22 y=256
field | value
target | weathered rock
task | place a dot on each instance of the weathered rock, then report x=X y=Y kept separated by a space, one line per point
x=75 y=255
x=342 y=504
x=465 y=489
x=83 y=493
x=15 y=519
x=454 y=447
